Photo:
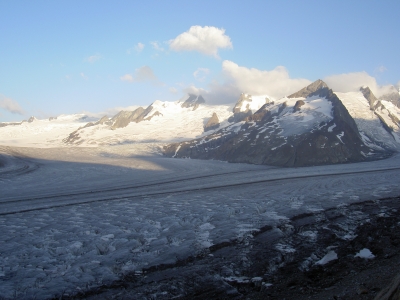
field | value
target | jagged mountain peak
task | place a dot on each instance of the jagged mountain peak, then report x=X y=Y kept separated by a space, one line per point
x=212 y=123
x=247 y=105
x=366 y=91
x=193 y=101
x=310 y=89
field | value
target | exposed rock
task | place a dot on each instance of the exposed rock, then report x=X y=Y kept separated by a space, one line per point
x=369 y=96
x=391 y=292
x=73 y=138
x=238 y=113
x=298 y=104
x=212 y=123
x=104 y=121
x=52 y=118
x=10 y=124
x=157 y=113
x=193 y=101
x=31 y=119
x=308 y=90
x=123 y=118
x=90 y=124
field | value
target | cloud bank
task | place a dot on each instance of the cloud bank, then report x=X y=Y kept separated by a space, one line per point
x=10 y=105
x=275 y=83
x=351 y=82
x=206 y=40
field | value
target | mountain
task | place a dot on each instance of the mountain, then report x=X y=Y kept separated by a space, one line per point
x=42 y=133
x=314 y=126
x=392 y=96
x=193 y=101
x=160 y=122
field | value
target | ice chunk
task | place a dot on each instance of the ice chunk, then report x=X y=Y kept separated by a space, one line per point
x=331 y=255
x=365 y=253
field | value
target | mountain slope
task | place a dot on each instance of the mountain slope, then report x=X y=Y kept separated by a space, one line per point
x=310 y=127
x=160 y=122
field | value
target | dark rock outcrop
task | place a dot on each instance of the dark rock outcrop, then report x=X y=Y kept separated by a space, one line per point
x=193 y=101
x=212 y=123
x=298 y=105
x=369 y=96
x=123 y=118
x=391 y=292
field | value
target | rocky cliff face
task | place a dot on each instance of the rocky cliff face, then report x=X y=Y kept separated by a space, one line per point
x=123 y=118
x=193 y=101
x=310 y=127
x=212 y=123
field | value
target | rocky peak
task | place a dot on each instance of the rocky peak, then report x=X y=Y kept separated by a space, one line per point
x=103 y=120
x=310 y=89
x=193 y=101
x=31 y=119
x=123 y=118
x=238 y=106
x=369 y=96
x=393 y=96
x=212 y=123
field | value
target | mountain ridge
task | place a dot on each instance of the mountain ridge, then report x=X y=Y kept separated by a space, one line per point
x=329 y=135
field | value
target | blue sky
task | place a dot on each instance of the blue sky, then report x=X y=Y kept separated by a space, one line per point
x=98 y=56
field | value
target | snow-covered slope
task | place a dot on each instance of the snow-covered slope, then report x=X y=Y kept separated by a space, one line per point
x=165 y=122
x=378 y=125
x=41 y=133
x=161 y=122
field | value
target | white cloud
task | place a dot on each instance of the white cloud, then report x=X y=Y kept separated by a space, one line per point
x=206 y=40
x=201 y=73
x=144 y=73
x=275 y=83
x=138 y=48
x=173 y=90
x=351 y=82
x=380 y=69
x=94 y=58
x=156 y=46
x=10 y=105
x=84 y=76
